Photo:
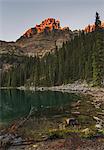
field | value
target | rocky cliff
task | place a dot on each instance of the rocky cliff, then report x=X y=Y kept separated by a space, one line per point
x=91 y=27
x=46 y=25
x=44 y=38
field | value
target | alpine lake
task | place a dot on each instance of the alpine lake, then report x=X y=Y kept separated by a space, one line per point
x=49 y=110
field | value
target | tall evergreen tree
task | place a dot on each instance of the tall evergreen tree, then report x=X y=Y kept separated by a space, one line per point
x=97 y=21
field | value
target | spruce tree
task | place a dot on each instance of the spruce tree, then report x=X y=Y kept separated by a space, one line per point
x=97 y=21
x=98 y=53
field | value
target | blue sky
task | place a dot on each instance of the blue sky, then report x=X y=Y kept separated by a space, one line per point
x=16 y=16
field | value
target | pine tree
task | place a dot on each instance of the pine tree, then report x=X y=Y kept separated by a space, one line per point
x=98 y=52
x=97 y=21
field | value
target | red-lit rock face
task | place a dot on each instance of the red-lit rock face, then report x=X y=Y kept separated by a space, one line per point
x=91 y=28
x=44 y=38
x=48 y=24
x=28 y=33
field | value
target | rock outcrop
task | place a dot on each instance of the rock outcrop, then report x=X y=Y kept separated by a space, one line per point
x=10 y=48
x=91 y=27
x=44 y=38
x=46 y=25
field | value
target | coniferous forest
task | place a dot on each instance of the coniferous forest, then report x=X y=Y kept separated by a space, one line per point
x=82 y=58
x=51 y=75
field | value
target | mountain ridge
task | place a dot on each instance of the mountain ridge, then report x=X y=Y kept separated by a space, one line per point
x=59 y=57
x=43 y=38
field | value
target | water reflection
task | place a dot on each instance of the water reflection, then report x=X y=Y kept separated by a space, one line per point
x=15 y=103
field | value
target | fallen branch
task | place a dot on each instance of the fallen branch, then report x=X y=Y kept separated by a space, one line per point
x=7 y=136
x=15 y=126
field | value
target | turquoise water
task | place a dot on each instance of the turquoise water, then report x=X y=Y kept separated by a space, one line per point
x=15 y=104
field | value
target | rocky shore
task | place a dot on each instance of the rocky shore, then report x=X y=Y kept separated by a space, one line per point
x=96 y=92
x=89 y=135
x=73 y=143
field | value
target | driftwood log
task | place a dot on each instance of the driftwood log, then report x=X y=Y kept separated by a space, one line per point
x=9 y=137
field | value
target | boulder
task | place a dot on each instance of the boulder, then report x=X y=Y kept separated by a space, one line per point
x=71 y=121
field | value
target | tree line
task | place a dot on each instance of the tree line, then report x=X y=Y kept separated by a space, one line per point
x=80 y=59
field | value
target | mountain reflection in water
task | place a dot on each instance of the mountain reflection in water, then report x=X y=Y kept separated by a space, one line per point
x=15 y=104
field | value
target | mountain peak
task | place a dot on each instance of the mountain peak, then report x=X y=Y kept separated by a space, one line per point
x=44 y=38
x=48 y=24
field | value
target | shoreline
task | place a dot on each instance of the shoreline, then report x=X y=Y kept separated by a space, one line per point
x=93 y=110
x=83 y=88
x=96 y=92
